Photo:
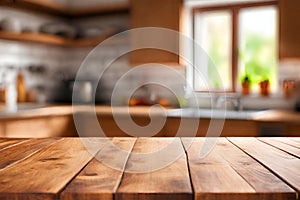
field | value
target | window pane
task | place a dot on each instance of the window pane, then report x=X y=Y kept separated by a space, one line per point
x=258 y=45
x=213 y=32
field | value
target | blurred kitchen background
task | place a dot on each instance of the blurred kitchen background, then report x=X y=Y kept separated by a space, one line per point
x=43 y=43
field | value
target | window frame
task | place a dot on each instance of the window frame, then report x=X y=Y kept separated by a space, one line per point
x=235 y=9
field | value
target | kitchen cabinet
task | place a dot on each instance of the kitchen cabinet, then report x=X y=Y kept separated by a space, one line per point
x=52 y=8
x=293 y=130
x=289 y=34
x=40 y=127
x=154 y=13
x=231 y=128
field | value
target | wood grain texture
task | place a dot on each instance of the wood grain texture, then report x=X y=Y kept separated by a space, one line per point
x=170 y=181
x=16 y=153
x=281 y=163
x=101 y=177
x=44 y=174
x=4 y=143
x=228 y=173
x=284 y=144
x=153 y=13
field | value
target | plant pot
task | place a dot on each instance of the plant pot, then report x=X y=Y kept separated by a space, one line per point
x=264 y=88
x=246 y=89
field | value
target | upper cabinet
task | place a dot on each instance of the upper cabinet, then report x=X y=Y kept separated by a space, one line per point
x=51 y=7
x=289 y=35
x=154 y=13
x=66 y=13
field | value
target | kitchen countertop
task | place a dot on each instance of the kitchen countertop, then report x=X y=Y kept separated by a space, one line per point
x=36 y=110
x=236 y=168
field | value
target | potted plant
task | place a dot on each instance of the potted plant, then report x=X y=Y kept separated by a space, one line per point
x=264 y=87
x=246 y=85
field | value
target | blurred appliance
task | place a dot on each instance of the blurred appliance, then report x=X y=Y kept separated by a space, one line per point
x=59 y=29
x=80 y=90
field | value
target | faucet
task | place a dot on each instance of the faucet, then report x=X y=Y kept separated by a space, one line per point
x=235 y=101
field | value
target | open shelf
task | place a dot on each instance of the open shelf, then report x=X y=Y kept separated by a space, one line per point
x=61 y=10
x=56 y=40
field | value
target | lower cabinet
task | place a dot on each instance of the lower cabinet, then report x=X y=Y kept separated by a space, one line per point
x=48 y=126
x=106 y=126
x=210 y=128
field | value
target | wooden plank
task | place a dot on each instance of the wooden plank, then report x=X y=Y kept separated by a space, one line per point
x=296 y=139
x=167 y=180
x=59 y=41
x=281 y=163
x=47 y=172
x=101 y=177
x=295 y=142
x=228 y=173
x=16 y=153
x=283 y=144
x=5 y=143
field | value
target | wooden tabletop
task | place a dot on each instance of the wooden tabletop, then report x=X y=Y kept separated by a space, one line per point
x=127 y=168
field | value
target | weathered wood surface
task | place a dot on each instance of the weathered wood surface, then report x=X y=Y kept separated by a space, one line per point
x=102 y=176
x=169 y=179
x=228 y=173
x=283 y=164
x=149 y=168
x=44 y=174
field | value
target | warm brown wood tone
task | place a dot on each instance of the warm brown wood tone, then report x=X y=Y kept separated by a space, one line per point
x=4 y=143
x=231 y=128
x=48 y=126
x=17 y=153
x=57 y=121
x=236 y=6
x=284 y=144
x=154 y=13
x=55 y=40
x=99 y=180
x=44 y=6
x=228 y=173
x=283 y=164
x=44 y=174
x=109 y=8
x=170 y=182
x=293 y=130
x=61 y=168
x=289 y=31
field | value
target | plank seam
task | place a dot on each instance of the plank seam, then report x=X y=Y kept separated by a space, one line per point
x=268 y=168
x=58 y=195
x=122 y=176
x=298 y=147
x=281 y=149
x=188 y=166
x=229 y=163
x=18 y=143
x=28 y=156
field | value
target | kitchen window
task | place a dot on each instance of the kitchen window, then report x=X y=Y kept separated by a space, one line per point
x=239 y=40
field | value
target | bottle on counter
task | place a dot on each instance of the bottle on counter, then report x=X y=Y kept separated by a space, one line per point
x=21 y=88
